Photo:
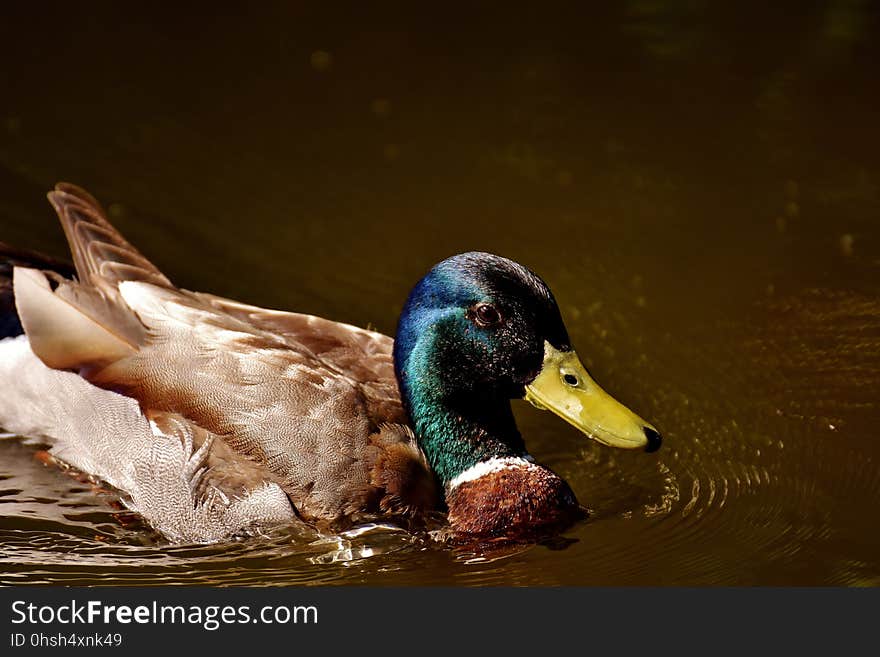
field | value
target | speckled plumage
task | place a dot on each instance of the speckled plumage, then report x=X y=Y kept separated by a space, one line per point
x=293 y=400
x=187 y=489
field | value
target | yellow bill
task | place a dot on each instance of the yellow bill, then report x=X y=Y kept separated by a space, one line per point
x=564 y=387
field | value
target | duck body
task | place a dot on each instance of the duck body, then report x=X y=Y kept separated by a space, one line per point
x=246 y=417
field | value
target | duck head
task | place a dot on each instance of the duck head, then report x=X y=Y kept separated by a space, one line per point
x=476 y=332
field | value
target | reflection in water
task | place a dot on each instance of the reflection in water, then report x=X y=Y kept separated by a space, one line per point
x=698 y=185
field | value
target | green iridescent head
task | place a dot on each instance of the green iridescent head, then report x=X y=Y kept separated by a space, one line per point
x=477 y=331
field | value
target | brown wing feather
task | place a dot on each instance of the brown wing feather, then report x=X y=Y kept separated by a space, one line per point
x=84 y=325
x=101 y=255
x=361 y=354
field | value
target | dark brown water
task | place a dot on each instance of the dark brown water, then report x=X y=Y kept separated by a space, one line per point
x=700 y=187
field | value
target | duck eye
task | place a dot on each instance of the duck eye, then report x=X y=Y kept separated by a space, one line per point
x=485 y=315
x=570 y=379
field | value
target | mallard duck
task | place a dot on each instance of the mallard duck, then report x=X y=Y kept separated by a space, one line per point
x=216 y=418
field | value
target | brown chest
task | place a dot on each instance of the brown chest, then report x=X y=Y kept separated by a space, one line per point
x=512 y=501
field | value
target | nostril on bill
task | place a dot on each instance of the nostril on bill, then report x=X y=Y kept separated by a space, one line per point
x=654 y=439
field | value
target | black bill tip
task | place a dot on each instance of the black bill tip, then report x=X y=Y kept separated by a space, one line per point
x=654 y=439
